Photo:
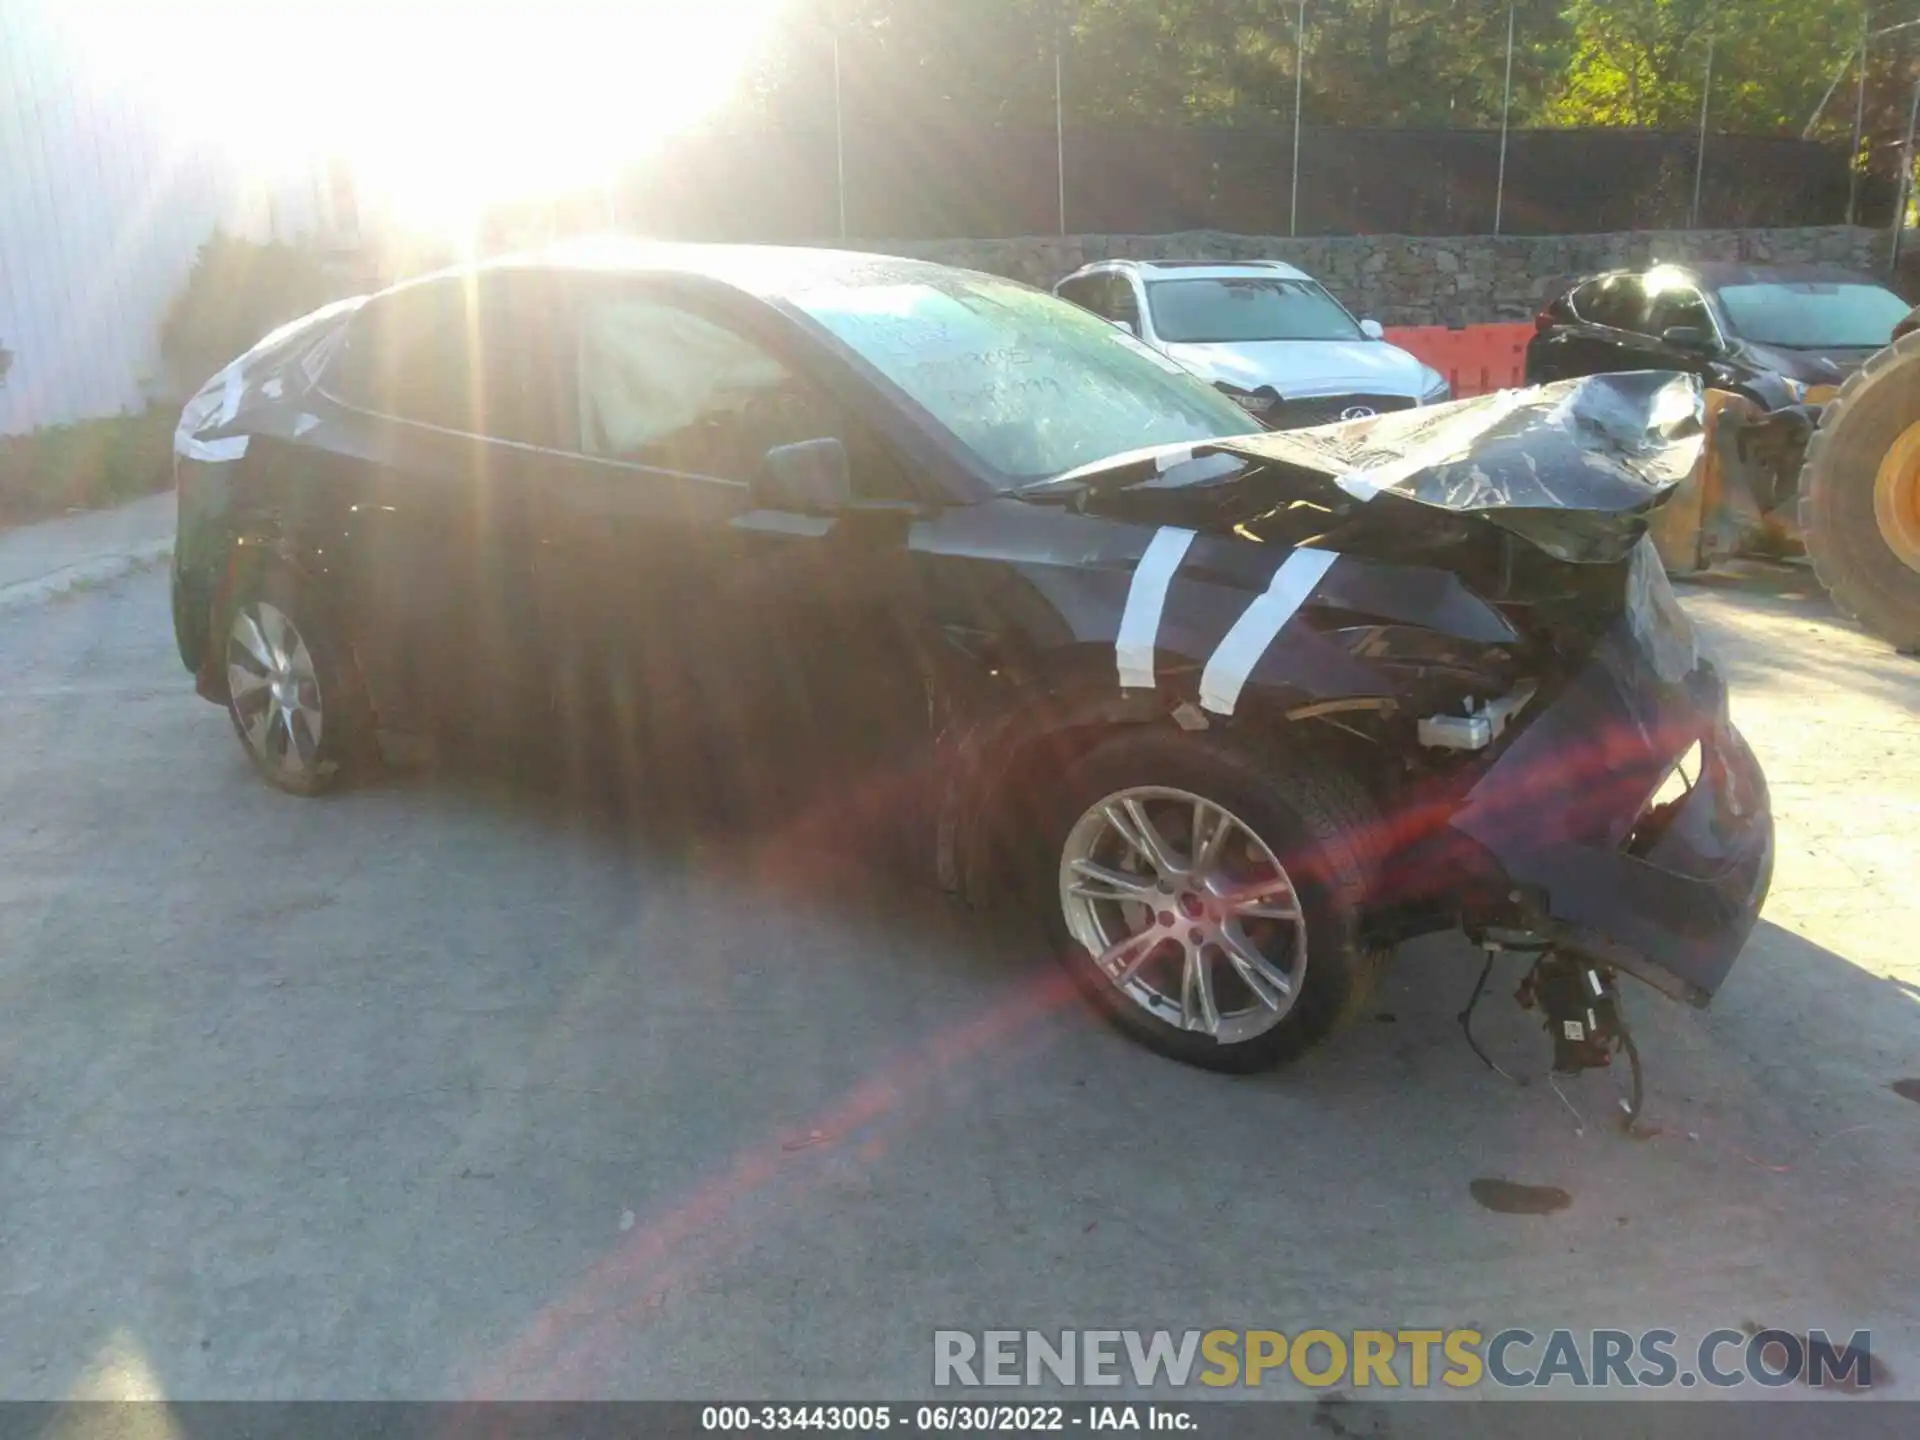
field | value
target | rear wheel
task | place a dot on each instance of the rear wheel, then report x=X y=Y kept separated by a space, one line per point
x=1860 y=495
x=292 y=692
x=1207 y=901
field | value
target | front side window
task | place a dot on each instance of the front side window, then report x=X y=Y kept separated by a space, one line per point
x=1807 y=315
x=1239 y=310
x=1031 y=385
x=411 y=354
x=1678 y=306
x=665 y=387
x=1121 y=303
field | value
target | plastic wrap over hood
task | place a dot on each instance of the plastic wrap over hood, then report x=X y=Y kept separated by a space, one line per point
x=1574 y=466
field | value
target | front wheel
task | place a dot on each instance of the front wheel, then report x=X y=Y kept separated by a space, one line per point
x=1207 y=900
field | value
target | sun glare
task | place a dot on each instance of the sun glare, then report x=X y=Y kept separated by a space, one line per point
x=438 y=110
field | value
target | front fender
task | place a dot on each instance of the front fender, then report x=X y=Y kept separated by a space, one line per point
x=985 y=755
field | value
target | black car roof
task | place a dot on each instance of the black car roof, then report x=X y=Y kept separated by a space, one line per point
x=768 y=271
x=1714 y=274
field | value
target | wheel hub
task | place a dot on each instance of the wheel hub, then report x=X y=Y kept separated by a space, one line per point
x=1186 y=911
x=1896 y=497
x=273 y=687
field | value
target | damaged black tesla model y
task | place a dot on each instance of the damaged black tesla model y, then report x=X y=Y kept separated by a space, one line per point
x=1237 y=712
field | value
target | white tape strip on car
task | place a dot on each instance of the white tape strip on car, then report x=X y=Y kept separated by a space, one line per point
x=210 y=452
x=1234 y=658
x=1146 y=598
x=236 y=389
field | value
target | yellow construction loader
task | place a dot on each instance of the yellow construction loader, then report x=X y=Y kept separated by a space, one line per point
x=1836 y=476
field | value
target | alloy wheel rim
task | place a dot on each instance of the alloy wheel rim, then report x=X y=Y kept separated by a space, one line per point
x=275 y=692
x=1186 y=911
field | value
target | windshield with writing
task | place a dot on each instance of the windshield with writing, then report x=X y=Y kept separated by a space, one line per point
x=1813 y=316
x=1032 y=385
x=1238 y=310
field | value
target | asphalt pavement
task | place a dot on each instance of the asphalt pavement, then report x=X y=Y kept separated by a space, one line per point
x=447 y=1088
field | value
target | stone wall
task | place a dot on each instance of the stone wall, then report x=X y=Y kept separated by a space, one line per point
x=1414 y=280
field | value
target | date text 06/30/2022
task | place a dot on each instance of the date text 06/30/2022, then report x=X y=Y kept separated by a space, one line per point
x=945 y=1418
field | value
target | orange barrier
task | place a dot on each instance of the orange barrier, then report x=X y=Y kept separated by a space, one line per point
x=1475 y=359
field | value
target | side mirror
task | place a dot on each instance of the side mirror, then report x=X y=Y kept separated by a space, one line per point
x=1131 y=327
x=811 y=477
x=1373 y=330
x=1690 y=338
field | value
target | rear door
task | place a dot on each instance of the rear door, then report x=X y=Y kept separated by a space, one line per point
x=1602 y=334
x=443 y=388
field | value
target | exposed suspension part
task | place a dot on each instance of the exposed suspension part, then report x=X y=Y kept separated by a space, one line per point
x=1580 y=1005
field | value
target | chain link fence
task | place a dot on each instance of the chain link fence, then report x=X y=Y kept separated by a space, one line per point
x=861 y=146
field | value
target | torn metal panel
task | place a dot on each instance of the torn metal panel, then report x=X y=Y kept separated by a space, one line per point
x=1574 y=467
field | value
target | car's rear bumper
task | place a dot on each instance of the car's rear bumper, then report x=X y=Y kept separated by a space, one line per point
x=1556 y=836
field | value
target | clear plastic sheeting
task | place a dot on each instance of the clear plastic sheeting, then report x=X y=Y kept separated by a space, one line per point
x=1659 y=624
x=1573 y=467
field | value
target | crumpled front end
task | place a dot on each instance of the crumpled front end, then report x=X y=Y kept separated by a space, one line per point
x=1625 y=820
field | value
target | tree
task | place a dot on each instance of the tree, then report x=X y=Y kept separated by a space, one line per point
x=1643 y=62
x=1394 y=63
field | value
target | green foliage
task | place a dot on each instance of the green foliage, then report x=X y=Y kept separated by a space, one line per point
x=1643 y=62
x=236 y=293
x=85 y=466
x=1394 y=63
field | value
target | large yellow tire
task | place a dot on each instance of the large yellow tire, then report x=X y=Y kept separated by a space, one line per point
x=1860 y=495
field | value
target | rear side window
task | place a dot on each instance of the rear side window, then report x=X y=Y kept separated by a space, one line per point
x=1618 y=301
x=407 y=354
x=479 y=355
x=1086 y=291
x=1106 y=294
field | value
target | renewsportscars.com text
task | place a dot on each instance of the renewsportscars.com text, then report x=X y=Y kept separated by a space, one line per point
x=1393 y=1359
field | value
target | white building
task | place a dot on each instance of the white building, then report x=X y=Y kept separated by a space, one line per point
x=101 y=214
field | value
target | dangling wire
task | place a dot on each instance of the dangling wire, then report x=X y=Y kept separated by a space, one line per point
x=1631 y=1107
x=1465 y=1017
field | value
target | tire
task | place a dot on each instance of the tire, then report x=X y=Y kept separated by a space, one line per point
x=1313 y=821
x=1850 y=551
x=292 y=650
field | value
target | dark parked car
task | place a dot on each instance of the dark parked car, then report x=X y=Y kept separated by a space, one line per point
x=1772 y=332
x=1240 y=711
